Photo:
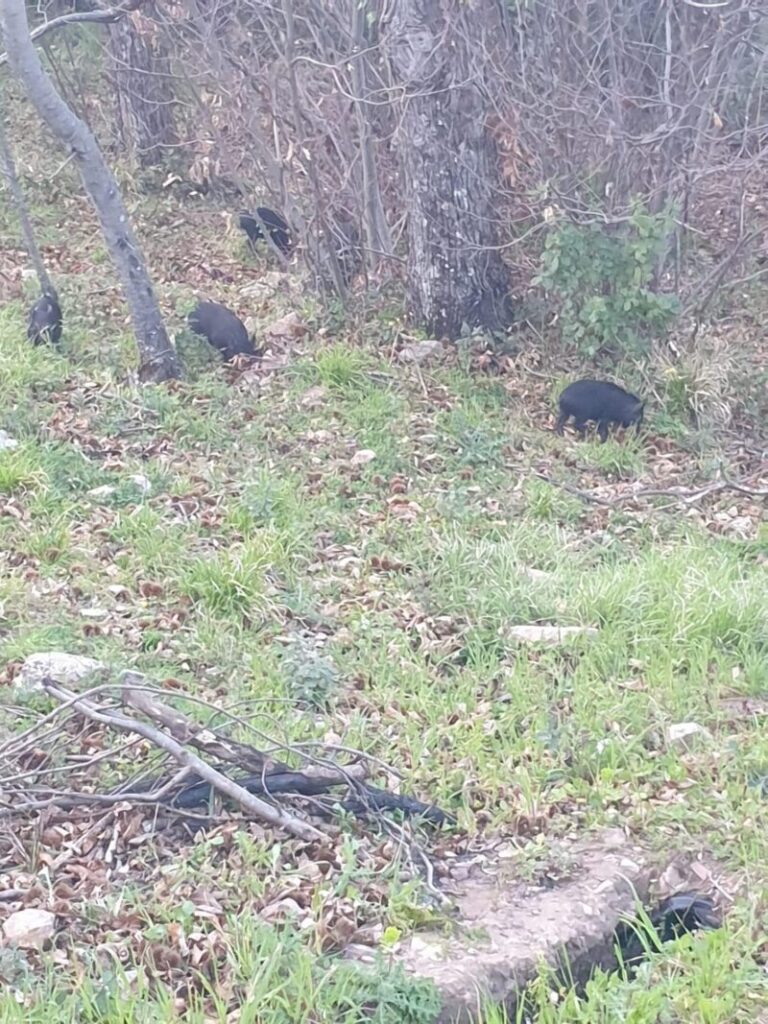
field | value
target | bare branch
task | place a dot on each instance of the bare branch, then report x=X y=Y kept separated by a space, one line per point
x=104 y=17
x=252 y=804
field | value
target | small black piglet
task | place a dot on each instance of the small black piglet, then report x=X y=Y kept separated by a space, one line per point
x=44 y=325
x=276 y=225
x=601 y=402
x=225 y=331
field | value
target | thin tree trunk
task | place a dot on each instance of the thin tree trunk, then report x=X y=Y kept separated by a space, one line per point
x=449 y=163
x=156 y=354
x=378 y=237
x=9 y=165
x=141 y=77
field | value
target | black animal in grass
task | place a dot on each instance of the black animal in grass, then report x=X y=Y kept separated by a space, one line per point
x=601 y=402
x=44 y=325
x=677 y=915
x=222 y=328
x=276 y=226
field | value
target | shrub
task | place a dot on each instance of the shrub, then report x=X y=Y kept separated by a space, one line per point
x=600 y=282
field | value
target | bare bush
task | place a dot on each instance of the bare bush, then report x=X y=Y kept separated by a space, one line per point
x=538 y=115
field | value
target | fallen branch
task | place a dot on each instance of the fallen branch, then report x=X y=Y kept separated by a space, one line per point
x=693 y=496
x=259 y=808
x=186 y=730
x=689 y=497
x=592 y=499
x=370 y=799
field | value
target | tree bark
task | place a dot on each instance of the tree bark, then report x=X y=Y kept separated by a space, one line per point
x=449 y=163
x=9 y=164
x=156 y=354
x=141 y=76
x=378 y=237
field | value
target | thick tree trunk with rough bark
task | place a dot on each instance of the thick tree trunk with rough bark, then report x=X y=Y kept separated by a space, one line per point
x=141 y=76
x=157 y=356
x=449 y=162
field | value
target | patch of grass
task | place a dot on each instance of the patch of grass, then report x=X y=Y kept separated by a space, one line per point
x=342 y=368
x=547 y=502
x=25 y=369
x=146 y=539
x=21 y=469
x=267 y=499
x=236 y=582
x=274 y=972
x=478 y=441
x=622 y=459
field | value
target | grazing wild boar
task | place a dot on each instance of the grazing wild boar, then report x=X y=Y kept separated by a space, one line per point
x=225 y=331
x=44 y=325
x=601 y=402
x=276 y=225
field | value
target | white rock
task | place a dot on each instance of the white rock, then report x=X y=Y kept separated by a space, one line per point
x=363 y=457
x=94 y=613
x=67 y=669
x=141 y=482
x=6 y=441
x=683 y=734
x=29 y=929
x=548 y=634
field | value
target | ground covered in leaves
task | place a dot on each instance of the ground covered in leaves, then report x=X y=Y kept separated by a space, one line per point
x=339 y=545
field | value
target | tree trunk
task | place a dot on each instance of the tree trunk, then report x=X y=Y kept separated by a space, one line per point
x=156 y=354
x=141 y=77
x=378 y=237
x=438 y=50
x=9 y=165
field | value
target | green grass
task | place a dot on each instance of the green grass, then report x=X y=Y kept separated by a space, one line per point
x=370 y=605
x=276 y=978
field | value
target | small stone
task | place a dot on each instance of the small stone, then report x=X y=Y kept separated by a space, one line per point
x=314 y=397
x=141 y=482
x=363 y=457
x=67 y=669
x=536 y=575
x=7 y=442
x=684 y=735
x=548 y=634
x=29 y=929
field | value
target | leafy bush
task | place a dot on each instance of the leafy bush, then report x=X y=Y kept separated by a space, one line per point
x=600 y=281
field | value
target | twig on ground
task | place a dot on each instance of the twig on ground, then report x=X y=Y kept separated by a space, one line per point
x=689 y=497
x=259 y=808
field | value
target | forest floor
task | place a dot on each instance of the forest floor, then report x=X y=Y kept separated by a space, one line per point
x=337 y=544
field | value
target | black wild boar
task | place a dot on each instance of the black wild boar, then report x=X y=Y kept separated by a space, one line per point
x=44 y=325
x=677 y=915
x=277 y=227
x=601 y=402
x=225 y=331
